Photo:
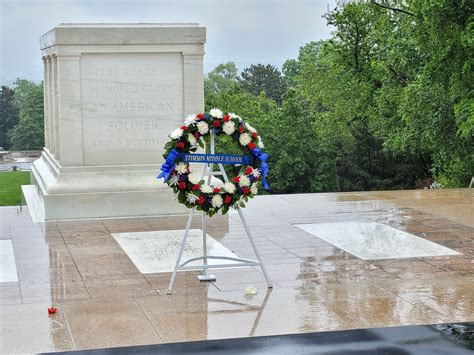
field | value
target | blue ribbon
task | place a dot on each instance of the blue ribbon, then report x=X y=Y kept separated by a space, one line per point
x=263 y=157
x=168 y=165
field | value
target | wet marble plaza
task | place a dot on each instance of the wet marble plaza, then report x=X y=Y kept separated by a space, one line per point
x=104 y=300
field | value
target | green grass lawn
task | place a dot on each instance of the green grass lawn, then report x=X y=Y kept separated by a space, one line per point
x=10 y=187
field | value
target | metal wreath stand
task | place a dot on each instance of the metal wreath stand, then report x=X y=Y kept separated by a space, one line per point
x=182 y=266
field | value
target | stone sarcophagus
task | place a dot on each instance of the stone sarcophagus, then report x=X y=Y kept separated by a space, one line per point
x=113 y=92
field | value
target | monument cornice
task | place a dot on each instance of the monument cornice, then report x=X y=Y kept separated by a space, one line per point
x=123 y=34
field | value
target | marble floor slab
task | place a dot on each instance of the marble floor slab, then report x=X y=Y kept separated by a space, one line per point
x=156 y=251
x=103 y=300
x=375 y=241
x=8 y=271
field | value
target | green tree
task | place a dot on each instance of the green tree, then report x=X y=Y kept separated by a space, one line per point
x=220 y=78
x=29 y=132
x=8 y=115
x=263 y=78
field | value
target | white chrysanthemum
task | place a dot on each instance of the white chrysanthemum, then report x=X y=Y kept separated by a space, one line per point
x=193 y=178
x=178 y=132
x=191 y=198
x=215 y=112
x=260 y=144
x=173 y=180
x=190 y=119
x=203 y=127
x=254 y=189
x=250 y=128
x=245 y=139
x=217 y=201
x=233 y=115
x=228 y=128
x=181 y=168
x=239 y=201
x=244 y=181
x=206 y=189
x=192 y=140
x=255 y=172
x=229 y=187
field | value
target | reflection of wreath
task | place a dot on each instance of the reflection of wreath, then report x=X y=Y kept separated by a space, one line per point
x=193 y=191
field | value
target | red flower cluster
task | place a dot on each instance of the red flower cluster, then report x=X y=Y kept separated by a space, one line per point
x=180 y=145
x=200 y=116
x=216 y=124
x=181 y=185
x=201 y=200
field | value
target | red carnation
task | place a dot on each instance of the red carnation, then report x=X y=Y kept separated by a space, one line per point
x=200 y=116
x=226 y=118
x=52 y=310
x=181 y=185
x=248 y=170
x=216 y=124
x=216 y=190
x=252 y=145
x=196 y=135
x=201 y=200
x=246 y=190
x=196 y=187
x=180 y=145
x=236 y=179
x=227 y=200
x=254 y=135
x=241 y=129
x=184 y=128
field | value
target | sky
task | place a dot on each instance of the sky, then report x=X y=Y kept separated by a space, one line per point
x=242 y=31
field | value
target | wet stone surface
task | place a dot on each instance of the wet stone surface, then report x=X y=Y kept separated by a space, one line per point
x=104 y=300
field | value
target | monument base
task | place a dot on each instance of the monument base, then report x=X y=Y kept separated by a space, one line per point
x=96 y=191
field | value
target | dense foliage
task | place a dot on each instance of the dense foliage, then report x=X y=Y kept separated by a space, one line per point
x=21 y=120
x=386 y=102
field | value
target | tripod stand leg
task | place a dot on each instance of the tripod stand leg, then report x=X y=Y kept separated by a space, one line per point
x=257 y=254
x=205 y=276
x=181 y=249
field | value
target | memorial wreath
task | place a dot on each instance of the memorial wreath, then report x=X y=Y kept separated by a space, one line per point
x=192 y=190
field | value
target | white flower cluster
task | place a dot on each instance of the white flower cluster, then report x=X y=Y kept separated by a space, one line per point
x=191 y=198
x=206 y=189
x=177 y=133
x=190 y=119
x=193 y=178
x=192 y=140
x=216 y=113
x=203 y=127
x=229 y=187
x=173 y=180
x=250 y=128
x=255 y=172
x=233 y=115
x=254 y=189
x=245 y=139
x=217 y=201
x=244 y=181
x=181 y=168
x=229 y=128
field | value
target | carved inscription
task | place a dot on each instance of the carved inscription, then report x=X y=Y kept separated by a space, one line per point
x=130 y=102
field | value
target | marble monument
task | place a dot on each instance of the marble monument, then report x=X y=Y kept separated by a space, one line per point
x=113 y=92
